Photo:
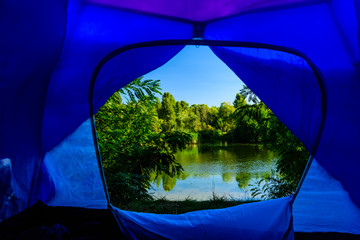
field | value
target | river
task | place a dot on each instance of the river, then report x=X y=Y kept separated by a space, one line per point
x=227 y=170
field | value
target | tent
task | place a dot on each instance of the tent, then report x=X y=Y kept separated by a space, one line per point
x=62 y=59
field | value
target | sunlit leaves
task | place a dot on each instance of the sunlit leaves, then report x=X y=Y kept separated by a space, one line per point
x=139 y=88
x=249 y=95
x=132 y=144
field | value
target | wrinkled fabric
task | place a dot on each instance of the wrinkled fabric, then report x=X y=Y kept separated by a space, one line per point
x=200 y=10
x=75 y=172
x=324 y=206
x=261 y=220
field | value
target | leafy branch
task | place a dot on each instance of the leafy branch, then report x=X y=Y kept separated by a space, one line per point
x=139 y=88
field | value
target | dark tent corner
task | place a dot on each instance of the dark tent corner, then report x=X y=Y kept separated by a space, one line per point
x=43 y=222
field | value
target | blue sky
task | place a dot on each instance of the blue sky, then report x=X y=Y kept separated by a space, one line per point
x=197 y=76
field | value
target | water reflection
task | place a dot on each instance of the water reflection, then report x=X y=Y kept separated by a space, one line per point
x=221 y=169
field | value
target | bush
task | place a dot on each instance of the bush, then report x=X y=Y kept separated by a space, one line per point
x=272 y=187
x=210 y=136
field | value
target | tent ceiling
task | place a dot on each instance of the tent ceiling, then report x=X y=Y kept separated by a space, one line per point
x=200 y=10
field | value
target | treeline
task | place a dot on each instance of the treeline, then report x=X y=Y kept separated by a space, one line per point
x=139 y=134
x=228 y=122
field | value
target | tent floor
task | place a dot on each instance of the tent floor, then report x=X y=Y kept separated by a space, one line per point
x=325 y=236
x=43 y=222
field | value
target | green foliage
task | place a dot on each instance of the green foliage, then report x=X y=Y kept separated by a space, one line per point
x=167 y=112
x=177 y=140
x=251 y=122
x=250 y=95
x=271 y=187
x=292 y=154
x=202 y=111
x=225 y=121
x=210 y=136
x=133 y=146
x=140 y=88
x=138 y=139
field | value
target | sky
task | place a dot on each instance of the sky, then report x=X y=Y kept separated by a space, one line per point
x=195 y=75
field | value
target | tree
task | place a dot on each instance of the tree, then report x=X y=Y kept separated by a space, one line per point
x=292 y=154
x=249 y=94
x=202 y=111
x=213 y=115
x=121 y=129
x=225 y=120
x=167 y=112
x=132 y=145
x=192 y=122
x=182 y=113
x=239 y=101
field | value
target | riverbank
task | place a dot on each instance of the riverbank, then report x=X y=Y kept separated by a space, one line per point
x=164 y=206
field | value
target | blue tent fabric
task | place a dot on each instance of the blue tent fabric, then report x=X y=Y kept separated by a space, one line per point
x=97 y=32
x=240 y=222
x=324 y=206
x=75 y=172
x=51 y=48
x=30 y=48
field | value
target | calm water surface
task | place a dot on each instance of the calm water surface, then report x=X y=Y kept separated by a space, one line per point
x=218 y=168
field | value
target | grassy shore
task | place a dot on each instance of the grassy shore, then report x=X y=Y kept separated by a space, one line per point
x=164 y=206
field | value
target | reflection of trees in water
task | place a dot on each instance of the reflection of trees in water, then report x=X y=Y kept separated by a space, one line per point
x=243 y=179
x=240 y=163
x=224 y=154
x=238 y=148
x=228 y=177
x=167 y=182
